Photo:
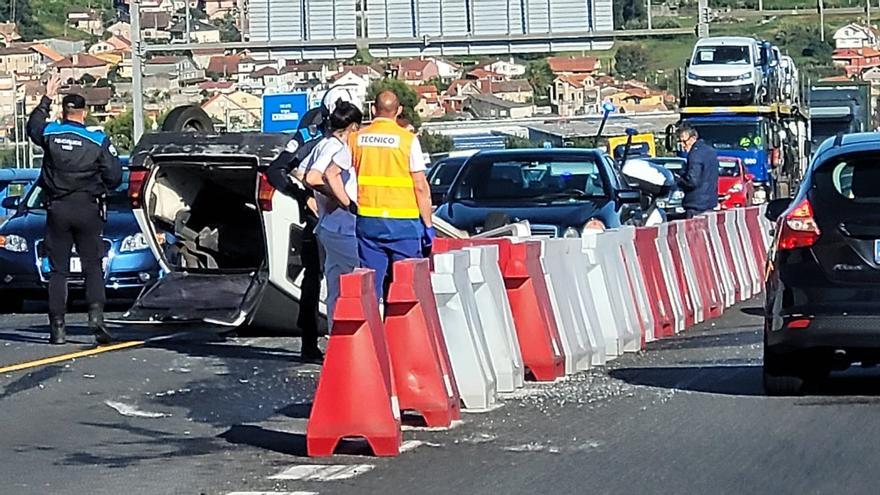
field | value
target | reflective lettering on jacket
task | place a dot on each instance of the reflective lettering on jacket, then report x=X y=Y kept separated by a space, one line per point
x=381 y=154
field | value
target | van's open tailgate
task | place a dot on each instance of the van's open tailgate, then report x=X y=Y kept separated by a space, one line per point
x=223 y=299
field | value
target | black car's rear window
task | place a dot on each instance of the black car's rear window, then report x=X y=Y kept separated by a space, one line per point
x=499 y=178
x=853 y=177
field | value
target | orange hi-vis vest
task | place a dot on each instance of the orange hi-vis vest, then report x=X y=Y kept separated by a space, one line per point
x=381 y=158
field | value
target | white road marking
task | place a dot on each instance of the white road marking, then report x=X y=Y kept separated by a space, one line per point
x=132 y=411
x=272 y=493
x=410 y=445
x=332 y=472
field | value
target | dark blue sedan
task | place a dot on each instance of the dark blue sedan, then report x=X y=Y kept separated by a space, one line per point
x=558 y=191
x=24 y=267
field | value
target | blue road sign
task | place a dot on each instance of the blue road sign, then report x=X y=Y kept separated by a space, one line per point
x=282 y=112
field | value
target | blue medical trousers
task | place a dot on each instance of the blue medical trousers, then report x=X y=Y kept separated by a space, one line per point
x=340 y=258
x=379 y=255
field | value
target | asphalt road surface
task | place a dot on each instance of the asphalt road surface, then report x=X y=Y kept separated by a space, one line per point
x=200 y=412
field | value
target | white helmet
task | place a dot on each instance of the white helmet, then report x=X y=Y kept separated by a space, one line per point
x=342 y=92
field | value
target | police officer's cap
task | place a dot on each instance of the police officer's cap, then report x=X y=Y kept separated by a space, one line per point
x=73 y=102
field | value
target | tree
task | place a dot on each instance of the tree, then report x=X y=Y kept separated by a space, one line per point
x=541 y=78
x=28 y=26
x=120 y=129
x=514 y=142
x=631 y=58
x=438 y=83
x=87 y=79
x=629 y=14
x=229 y=29
x=407 y=96
x=435 y=143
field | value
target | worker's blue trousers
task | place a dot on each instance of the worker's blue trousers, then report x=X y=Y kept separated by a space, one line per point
x=379 y=255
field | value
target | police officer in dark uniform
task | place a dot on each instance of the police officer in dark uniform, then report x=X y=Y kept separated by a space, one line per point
x=79 y=168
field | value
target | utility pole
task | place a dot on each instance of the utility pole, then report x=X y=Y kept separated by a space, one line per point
x=821 y=20
x=188 y=24
x=137 y=82
x=868 y=11
x=17 y=133
x=649 y=16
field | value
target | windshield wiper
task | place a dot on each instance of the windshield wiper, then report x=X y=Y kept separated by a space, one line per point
x=561 y=195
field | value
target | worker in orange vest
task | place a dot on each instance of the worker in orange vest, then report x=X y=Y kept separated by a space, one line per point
x=394 y=199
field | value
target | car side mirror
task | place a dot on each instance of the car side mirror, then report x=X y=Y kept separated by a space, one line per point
x=628 y=196
x=776 y=208
x=11 y=202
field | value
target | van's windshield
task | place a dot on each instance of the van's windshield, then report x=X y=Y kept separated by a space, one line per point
x=722 y=55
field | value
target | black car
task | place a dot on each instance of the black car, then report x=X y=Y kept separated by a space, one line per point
x=823 y=282
x=442 y=174
x=557 y=190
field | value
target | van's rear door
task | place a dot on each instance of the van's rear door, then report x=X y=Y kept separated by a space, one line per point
x=185 y=297
x=190 y=296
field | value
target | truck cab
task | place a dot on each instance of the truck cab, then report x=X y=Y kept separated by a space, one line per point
x=748 y=138
x=726 y=71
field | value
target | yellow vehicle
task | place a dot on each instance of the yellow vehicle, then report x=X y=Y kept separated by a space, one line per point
x=642 y=144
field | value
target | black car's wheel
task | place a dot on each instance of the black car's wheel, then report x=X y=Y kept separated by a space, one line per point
x=781 y=375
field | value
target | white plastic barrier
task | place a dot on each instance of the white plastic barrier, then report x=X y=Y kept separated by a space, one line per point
x=601 y=298
x=755 y=269
x=637 y=280
x=563 y=296
x=468 y=351
x=579 y=264
x=690 y=273
x=740 y=267
x=667 y=266
x=725 y=271
x=607 y=249
x=495 y=317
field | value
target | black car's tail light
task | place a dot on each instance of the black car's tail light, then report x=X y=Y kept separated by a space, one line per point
x=799 y=228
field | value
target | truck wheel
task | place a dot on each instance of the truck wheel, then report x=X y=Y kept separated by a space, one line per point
x=188 y=119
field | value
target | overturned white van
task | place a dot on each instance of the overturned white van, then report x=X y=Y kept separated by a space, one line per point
x=229 y=245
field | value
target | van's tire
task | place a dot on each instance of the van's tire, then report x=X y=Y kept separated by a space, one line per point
x=188 y=118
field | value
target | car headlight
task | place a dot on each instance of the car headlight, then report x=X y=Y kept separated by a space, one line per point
x=594 y=225
x=661 y=203
x=677 y=195
x=134 y=242
x=571 y=233
x=738 y=187
x=691 y=75
x=745 y=77
x=13 y=243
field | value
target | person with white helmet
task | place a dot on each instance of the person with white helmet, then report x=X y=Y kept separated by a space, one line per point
x=310 y=133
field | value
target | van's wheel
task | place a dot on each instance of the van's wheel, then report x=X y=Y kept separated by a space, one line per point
x=781 y=375
x=188 y=119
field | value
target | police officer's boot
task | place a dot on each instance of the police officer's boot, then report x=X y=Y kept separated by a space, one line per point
x=56 y=330
x=96 y=324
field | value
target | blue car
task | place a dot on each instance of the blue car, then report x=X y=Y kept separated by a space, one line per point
x=24 y=266
x=558 y=191
x=15 y=182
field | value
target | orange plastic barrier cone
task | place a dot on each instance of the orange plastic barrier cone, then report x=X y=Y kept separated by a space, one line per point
x=418 y=353
x=659 y=296
x=530 y=304
x=355 y=396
